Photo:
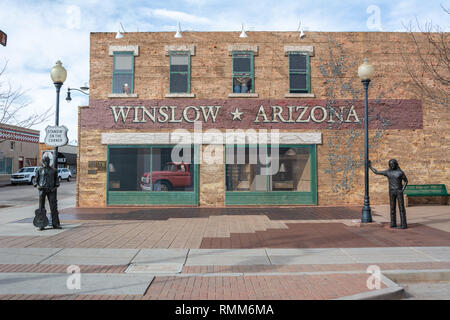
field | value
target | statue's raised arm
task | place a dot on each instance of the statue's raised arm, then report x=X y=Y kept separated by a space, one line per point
x=375 y=170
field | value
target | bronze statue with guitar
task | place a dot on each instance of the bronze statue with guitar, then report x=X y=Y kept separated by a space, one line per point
x=47 y=182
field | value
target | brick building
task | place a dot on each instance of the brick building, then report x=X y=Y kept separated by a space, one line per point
x=19 y=147
x=149 y=91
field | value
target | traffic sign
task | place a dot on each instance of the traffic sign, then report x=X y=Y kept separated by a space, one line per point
x=56 y=136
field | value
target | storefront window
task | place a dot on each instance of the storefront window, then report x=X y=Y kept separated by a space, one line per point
x=169 y=175
x=6 y=166
x=151 y=169
x=126 y=168
x=294 y=173
x=245 y=173
x=249 y=167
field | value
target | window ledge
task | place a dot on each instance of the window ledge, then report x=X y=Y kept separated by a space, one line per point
x=122 y=95
x=179 y=95
x=243 y=95
x=299 y=95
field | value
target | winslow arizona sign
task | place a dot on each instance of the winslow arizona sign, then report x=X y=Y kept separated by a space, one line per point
x=191 y=114
x=246 y=113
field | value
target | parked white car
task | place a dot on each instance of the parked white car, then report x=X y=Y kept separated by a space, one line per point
x=24 y=175
x=64 y=174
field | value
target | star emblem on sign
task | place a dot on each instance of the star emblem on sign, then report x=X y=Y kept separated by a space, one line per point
x=236 y=114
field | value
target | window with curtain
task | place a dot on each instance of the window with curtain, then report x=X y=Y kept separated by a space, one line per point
x=179 y=72
x=123 y=72
x=243 y=73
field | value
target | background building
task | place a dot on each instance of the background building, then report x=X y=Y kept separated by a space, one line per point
x=19 y=147
x=67 y=156
x=147 y=84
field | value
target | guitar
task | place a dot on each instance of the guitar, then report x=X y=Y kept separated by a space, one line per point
x=40 y=219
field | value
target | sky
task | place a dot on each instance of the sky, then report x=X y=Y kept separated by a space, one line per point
x=42 y=32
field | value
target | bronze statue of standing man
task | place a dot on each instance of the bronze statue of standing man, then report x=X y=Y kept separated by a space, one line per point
x=396 y=188
x=47 y=182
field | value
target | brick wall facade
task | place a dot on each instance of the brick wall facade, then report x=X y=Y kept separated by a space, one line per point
x=419 y=140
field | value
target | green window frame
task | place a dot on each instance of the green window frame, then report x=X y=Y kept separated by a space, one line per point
x=276 y=197
x=239 y=74
x=173 y=73
x=293 y=72
x=120 y=73
x=152 y=197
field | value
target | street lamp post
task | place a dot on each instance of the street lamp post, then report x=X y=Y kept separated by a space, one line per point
x=58 y=74
x=365 y=72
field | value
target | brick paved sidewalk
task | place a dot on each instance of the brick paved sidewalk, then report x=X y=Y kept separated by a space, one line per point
x=235 y=269
x=300 y=227
x=234 y=232
x=283 y=282
x=309 y=227
x=310 y=287
x=234 y=287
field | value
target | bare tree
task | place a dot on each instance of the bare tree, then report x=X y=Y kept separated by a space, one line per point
x=14 y=107
x=429 y=64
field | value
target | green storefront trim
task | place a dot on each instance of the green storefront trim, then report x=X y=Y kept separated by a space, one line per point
x=152 y=197
x=278 y=197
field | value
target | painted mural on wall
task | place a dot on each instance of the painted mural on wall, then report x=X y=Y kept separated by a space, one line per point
x=342 y=159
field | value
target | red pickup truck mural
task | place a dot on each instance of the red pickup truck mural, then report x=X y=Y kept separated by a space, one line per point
x=174 y=175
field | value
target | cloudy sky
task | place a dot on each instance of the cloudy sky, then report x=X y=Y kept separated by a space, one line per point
x=42 y=32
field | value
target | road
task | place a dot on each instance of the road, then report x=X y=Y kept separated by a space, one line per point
x=25 y=194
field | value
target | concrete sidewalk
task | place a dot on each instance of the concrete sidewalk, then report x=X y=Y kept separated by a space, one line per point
x=222 y=257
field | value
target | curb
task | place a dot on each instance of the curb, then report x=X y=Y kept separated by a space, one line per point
x=418 y=275
x=382 y=294
x=392 y=292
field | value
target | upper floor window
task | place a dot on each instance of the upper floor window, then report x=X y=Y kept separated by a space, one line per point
x=243 y=73
x=11 y=145
x=123 y=72
x=180 y=70
x=299 y=72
